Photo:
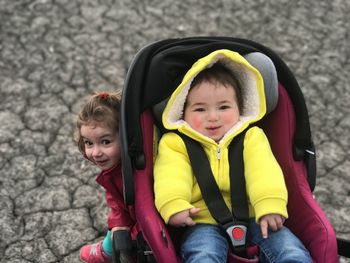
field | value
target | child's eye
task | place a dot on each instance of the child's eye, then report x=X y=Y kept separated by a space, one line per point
x=224 y=107
x=199 y=109
x=87 y=143
x=106 y=142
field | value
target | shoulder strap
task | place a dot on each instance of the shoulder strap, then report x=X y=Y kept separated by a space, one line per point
x=206 y=181
x=239 y=198
x=209 y=188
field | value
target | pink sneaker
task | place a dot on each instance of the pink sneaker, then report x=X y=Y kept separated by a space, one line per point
x=94 y=253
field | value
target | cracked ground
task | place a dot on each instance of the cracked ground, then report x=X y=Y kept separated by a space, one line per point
x=55 y=52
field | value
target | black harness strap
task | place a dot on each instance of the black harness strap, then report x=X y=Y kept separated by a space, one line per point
x=206 y=181
x=239 y=198
x=211 y=193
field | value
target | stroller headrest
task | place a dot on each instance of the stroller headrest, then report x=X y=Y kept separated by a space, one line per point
x=268 y=72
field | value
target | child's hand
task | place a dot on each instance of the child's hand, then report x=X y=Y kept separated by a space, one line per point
x=114 y=229
x=125 y=256
x=272 y=221
x=184 y=218
x=120 y=228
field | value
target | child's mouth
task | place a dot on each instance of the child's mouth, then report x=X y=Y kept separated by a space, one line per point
x=101 y=163
x=213 y=128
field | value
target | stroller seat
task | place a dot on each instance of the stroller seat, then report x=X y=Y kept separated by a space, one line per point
x=155 y=72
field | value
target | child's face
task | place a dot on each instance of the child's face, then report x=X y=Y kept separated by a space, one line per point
x=211 y=109
x=101 y=144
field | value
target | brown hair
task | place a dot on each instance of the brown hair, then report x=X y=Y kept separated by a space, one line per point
x=100 y=107
x=219 y=73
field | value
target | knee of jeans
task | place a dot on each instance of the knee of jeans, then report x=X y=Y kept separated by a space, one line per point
x=291 y=254
x=204 y=256
x=298 y=254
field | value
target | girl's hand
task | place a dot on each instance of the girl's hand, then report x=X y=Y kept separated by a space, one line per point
x=120 y=228
x=272 y=221
x=125 y=256
x=184 y=218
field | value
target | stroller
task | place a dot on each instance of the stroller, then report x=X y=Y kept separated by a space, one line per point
x=154 y=73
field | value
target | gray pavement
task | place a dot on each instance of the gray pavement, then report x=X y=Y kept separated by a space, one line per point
x=54 y=52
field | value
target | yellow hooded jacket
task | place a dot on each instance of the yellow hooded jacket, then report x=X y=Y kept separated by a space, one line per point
x=175 y=186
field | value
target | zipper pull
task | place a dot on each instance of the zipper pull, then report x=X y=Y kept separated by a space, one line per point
x=219 y=153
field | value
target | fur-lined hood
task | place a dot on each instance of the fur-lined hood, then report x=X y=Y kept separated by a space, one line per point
x=250 y=79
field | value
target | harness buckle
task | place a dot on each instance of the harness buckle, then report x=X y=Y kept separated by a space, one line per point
x=237 y=234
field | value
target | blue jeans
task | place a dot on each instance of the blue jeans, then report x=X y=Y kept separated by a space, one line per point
x=280 y=246
x=204 y=243
x=209 y=243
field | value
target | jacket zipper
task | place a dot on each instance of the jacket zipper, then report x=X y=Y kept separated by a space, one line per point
x=219 y=153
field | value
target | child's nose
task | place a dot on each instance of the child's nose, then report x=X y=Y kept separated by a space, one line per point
x=96 y=151
x=213 y=116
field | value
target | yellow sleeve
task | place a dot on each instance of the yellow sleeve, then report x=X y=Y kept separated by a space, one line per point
x=266 y=188
x=173 y=178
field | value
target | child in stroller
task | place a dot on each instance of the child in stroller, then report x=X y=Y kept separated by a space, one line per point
x=218 y=98
x=152 y=77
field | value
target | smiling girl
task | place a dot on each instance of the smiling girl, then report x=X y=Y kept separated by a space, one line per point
x=97 y=138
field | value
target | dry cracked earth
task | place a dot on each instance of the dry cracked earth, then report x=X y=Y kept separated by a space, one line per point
x=55 y=52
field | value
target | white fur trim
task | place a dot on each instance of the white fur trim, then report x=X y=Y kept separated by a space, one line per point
x=247 y=80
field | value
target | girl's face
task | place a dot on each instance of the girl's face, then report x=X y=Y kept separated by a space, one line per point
x=211 y=109
x=101 y=144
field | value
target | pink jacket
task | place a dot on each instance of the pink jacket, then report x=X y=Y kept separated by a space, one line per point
x=119 y=213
